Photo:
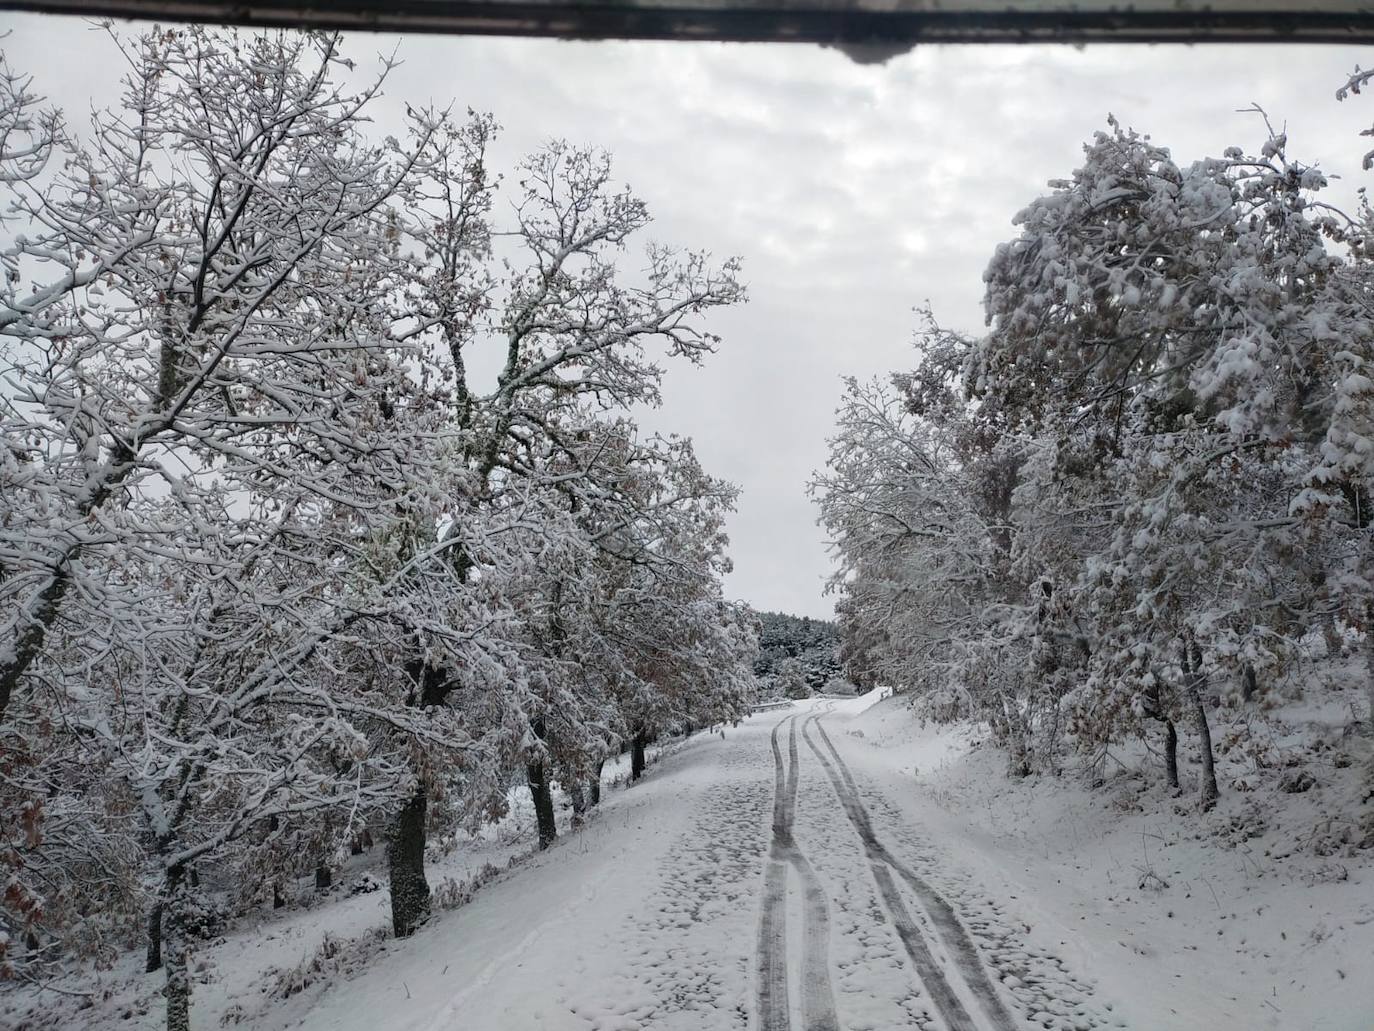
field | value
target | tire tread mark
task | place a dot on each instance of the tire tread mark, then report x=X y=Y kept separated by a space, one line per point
x=773 y=1005
x=817 y=995
x=818 y=998
x=947 y=924
x=942 y=994
x=774 y=1008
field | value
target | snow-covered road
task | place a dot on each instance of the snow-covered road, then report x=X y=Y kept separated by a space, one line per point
x=837 y=864
x=760 y=880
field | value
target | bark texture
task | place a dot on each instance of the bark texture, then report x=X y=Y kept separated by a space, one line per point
x=405 y=854
x=594 y=784
x=579 y=802
x=637 y=756
x=538 y=775
x=1171 y=753
x=1196 y=679
x=1369 y=665
x=154 y=957
x=174 y=950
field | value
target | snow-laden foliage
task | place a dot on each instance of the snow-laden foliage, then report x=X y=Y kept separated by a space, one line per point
x=276 y=566
x=797 y=654
x=1144 y=491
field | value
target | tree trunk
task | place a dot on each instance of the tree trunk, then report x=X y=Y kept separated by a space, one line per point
x=1250 y=685
x=594 y=785
x=1171 y=754
x=40 y=613
x=637 y=757
x=541 y=791
x=175 y=953
x=405 y=855
x=1018 y=761
x=154 y=960
x=1335 y=645
x=579 y=802
x=542 y=794
x=1192 y=672
x=324 y=877
x=1369 y=665
x=997 y=721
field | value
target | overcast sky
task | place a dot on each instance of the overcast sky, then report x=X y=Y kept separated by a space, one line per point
x=853 y=193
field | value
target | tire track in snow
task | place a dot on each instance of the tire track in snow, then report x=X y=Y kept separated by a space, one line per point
x=950 y=931
x=774 y=1009
x=942 y=994
x=818 y=998
x=1037 y=983
x=817 y=995
x=871 y=973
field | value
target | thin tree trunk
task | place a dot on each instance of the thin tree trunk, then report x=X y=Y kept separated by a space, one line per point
x=405 y=844
x=1250 y=686
x=997 y=720
x=1332 y=634
x=1193 y=675
x=405 y=854
x=154 y=959
x=175 y=955
x=278 y=899
x=594 y=785
x=637 y=757
x=541 y=791
x=579 y=802
x=542 y=794
x=1369 y=665
x=1018 y=763
x=1171 y=754
x=41 y=611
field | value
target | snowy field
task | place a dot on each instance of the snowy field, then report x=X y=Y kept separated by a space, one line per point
x=835 y=864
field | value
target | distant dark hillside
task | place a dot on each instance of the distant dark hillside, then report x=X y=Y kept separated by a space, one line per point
x=813 y=644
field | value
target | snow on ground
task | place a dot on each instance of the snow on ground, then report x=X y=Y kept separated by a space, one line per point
x=272 y=968
x=1233 y=931
x=598 y=931
x=835 y=864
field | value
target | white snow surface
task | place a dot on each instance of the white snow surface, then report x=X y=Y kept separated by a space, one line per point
x=650 y=916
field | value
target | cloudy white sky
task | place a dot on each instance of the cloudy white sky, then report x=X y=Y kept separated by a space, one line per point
x=853 y=193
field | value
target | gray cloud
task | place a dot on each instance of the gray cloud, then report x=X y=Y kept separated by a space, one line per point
x=854 y=193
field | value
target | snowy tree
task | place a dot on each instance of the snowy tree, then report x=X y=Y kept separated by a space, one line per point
x=1144 y=485
x=273 y=565
x=572 y=336
x=198 y=385
x=814 y=643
